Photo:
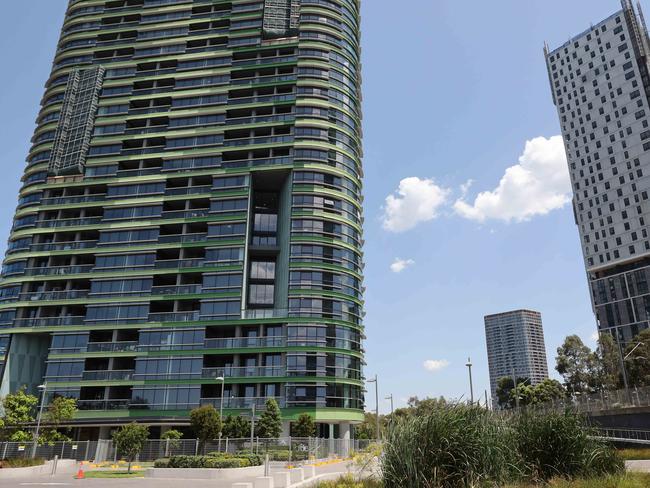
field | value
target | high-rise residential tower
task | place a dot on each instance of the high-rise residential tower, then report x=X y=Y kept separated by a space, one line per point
x=515 y=346
x=191 y=214
x=601 y=86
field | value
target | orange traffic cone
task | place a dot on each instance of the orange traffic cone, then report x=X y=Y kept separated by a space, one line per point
x=80 y=474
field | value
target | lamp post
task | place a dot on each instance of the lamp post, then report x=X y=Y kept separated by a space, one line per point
x=390 y=397
x=471 y=384
x=42 y=388
x=378 y=433
x=223 y=384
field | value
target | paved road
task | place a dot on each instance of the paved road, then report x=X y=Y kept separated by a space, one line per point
x=65 y=480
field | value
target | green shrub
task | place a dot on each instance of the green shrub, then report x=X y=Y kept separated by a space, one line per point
x=21 y=462
x=253 y=459
x=161 y=463
x=187 y=461
x=560 y=444
x=215 y=462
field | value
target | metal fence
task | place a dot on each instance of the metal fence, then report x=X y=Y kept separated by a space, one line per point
x=288 y=449
x=631 y=436
x=79 y=451
x=604 y=400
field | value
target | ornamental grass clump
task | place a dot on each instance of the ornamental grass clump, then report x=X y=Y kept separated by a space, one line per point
x=460 y=446
x=560 y=444
x=452 y=446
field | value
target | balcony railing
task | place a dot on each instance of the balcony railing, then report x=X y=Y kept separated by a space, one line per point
x=49 y=321
x=176 y=290
x=122 y=404
x=180 y=263
x=243 y=342
x=114 y=375
x=245 y=372
x=72 y=199
x=59 y=270
x=63 y=246
x=265 y=313
x=166 y=239
x=186 y=214
x=241 y=402
x=125 y=346
x=174 y=316
x=68 y=222
x=54 y=295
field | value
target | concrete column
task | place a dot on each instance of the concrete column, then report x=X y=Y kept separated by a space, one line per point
x=105 y=432
x=286 y=428
x=345 y=430
x=345 y=434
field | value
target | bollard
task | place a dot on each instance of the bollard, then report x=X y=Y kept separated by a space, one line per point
x=54 y=461
x=264 y=482
x=282 y=479
x=310 y=472
x=297 y=475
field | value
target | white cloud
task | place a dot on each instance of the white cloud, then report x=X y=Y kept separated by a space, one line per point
x=536 y=185
x=435 y=364
x=595 y=336
x=400 y=265
x=416 y=200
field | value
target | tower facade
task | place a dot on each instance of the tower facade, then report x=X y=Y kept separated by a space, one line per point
x=191 y=214
x=515 y=347
x=600 y=84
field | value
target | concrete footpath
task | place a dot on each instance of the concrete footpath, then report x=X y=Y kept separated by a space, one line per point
x=638 y=466
x=327 y=471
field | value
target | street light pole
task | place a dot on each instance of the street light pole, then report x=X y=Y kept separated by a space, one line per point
x=223 y=384
x=390 y=397
x=378 y=433
x=43 y=389
x=626 y=385
x=471 y=384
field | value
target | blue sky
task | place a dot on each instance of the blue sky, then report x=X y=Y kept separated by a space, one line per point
x=452 y=93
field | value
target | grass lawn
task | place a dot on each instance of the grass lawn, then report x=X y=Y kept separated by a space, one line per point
x=635 y=454
x=113 y=474
x=631 y=480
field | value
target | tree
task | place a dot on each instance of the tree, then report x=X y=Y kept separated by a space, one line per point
x=578 y=366
x=18 y=408
x=172 y=438
x=304 y=426
x=547 y=391
x=206 y=424
x=61 y=410
x=236 y=427
x=638 y=362
x=506 y=392
x=130 y=439
x=608 y=363
x=270 y=423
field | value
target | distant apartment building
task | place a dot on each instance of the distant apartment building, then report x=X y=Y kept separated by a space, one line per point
x=515 y=346
x=600 y=86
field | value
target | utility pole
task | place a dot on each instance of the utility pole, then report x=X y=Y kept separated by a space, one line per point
x=253 y=427
x=43 y=389
x=378 y=432
x=471 y=384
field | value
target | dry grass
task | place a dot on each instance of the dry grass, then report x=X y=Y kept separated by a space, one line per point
x=640 y=454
